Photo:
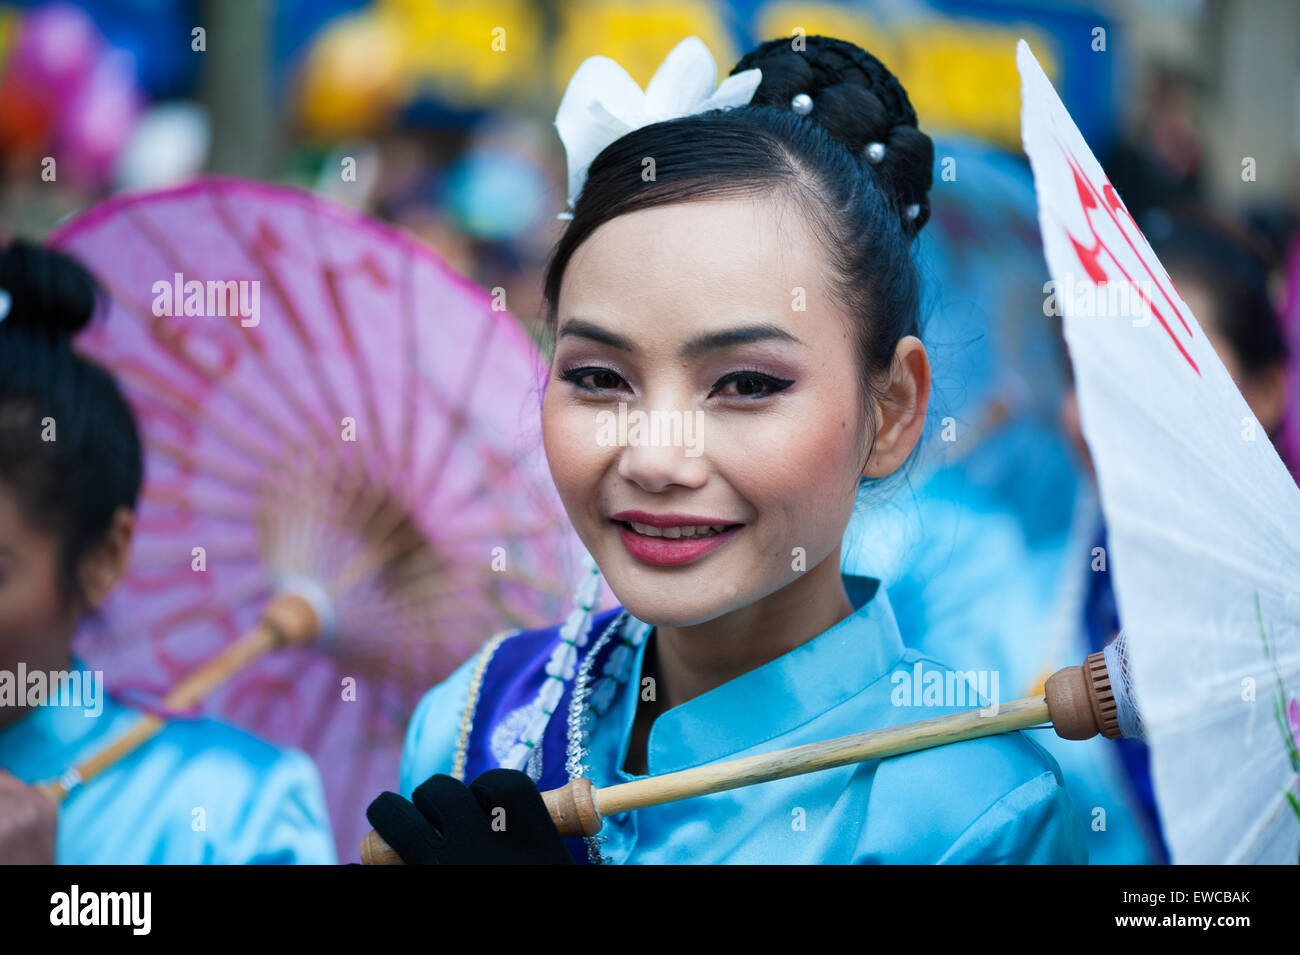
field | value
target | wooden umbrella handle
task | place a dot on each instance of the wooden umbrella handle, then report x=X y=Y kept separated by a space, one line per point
x=1077 y=703
x=289 y=620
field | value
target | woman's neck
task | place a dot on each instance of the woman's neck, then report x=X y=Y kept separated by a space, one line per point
x=48 y=656
x=689 y=661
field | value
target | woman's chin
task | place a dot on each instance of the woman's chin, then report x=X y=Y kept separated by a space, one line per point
x=683 y=604
x=656 y=614
x=667 y=584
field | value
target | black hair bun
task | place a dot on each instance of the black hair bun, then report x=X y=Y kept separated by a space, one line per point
x=858 y=101
x=48 y=293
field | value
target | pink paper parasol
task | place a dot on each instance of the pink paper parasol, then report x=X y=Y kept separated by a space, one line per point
x=327 y=410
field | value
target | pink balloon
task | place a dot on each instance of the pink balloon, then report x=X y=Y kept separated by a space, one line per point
x=98 y=120
x=56 y=49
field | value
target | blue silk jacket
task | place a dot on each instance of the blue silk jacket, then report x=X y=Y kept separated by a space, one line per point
x=998 y=799
x=199 y=792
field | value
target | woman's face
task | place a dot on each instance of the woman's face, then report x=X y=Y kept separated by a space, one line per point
x=715 y=315
x=33 y=613
x=38 y=616
x=1264 y=392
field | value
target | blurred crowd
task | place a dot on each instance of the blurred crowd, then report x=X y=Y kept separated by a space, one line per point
x=387 y=106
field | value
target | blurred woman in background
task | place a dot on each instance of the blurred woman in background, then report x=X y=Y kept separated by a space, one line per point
x=70 y=475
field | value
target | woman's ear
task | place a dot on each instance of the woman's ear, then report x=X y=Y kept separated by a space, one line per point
x=107 y=562
x=901 y=412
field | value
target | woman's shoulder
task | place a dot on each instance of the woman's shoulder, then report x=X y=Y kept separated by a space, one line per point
x=434 y=730
x=199 y=746
x=922 y=687
x=995 y=798
x=212 y=745
x=276 y=793
x=214 y=793
x=196 y=746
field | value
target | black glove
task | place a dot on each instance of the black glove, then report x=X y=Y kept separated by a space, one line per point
x=498 y=819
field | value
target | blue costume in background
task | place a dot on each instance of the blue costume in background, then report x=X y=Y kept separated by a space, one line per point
x=988 y=565
x=998 y=799
x=199 y=792
x=985 y=553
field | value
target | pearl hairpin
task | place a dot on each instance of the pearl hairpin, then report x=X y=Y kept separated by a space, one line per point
x=876 y=152
x=802 y=104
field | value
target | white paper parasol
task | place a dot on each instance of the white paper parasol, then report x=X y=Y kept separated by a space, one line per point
x=1202 y=515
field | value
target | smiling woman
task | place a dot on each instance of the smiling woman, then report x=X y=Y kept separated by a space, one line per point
x=774 y=399
x=761 y=278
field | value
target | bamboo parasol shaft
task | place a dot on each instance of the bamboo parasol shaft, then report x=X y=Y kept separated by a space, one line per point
x=813 y=757
x=288 y=620
x=1077 y=704
x=577 y=808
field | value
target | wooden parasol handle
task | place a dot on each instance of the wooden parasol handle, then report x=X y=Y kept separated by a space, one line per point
x=289 y=620
x=1077 y=702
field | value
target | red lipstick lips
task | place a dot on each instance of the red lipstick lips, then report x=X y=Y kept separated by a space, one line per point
x=669 y=551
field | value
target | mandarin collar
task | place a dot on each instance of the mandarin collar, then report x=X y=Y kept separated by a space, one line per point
x=778 y=696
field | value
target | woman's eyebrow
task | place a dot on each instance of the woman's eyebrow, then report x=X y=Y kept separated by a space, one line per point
x=585 y=329
x=728 y=338
x=709 y=341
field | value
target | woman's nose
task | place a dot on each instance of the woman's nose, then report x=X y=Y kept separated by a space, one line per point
x=667 y=454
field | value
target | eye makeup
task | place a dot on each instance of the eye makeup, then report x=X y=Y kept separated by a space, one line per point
x=749 y=377
x=751 y=384
x=579 y=374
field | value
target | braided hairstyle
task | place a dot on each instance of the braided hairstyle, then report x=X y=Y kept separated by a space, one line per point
x=866 y=207
x=858 y=102
x=70 y=486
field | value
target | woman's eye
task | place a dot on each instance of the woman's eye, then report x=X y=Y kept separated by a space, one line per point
x=593 y=379
x=751 y=384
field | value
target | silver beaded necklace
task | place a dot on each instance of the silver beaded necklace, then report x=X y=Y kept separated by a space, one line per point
x=580 y=716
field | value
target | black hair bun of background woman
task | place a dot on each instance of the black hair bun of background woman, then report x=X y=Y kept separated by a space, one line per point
x=49 y=294
x=858 y=101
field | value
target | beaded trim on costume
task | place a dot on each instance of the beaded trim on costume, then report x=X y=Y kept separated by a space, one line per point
x=579 y=715
x=617 y=668
x=524 y=728
x=471 y=701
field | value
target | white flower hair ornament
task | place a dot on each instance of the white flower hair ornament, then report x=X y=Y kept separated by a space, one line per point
x=603 y=103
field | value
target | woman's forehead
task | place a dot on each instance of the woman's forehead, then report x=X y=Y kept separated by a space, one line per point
x=734 y=254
